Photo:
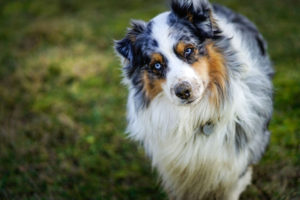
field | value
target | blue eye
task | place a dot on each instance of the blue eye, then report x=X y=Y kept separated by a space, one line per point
x=188 y=52
x=157 y=66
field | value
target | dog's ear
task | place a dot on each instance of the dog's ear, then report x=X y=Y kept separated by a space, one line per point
x=197 y=12
x=125 y=47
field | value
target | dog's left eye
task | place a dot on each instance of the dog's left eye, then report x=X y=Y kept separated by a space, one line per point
x=188 y=52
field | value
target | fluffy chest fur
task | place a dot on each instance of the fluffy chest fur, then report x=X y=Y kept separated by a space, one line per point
x=192 y=165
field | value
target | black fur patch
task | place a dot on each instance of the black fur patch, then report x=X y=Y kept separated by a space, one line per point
x=261 y=45
x=198 y=15
x=241 y=139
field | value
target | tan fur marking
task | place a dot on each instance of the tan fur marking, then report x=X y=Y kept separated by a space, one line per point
x=212 y=68
x=190 y=17
x=201 y=67
x=152 y=87
x=156 y=57
x=217 y=74
x=180 y=48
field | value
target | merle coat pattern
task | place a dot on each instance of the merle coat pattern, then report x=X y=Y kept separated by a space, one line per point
x=200 y=97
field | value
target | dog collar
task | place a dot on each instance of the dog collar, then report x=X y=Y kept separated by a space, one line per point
x=208 y=128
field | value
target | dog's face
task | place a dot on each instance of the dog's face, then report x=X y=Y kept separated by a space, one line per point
x=174 y=55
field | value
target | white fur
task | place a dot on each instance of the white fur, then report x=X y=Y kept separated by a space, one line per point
x=169 y=134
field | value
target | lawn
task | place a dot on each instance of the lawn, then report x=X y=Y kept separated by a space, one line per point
x=62 y=106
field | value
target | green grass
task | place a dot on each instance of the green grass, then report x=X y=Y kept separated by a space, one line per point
x=62 y=107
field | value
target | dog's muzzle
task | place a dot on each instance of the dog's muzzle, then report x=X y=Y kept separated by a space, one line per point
x=183 y=90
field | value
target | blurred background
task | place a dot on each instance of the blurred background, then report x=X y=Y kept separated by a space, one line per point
x=62 y=107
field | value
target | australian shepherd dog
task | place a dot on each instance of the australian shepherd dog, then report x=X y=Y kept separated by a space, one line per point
x=200 y=97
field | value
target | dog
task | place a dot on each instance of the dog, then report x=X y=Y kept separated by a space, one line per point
x=200 y=97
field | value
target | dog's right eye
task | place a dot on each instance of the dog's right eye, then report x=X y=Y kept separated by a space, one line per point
x=157 y=66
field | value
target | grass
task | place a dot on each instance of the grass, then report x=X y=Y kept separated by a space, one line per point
x=62 y=107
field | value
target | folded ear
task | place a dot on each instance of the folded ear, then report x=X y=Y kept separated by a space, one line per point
x=125 y=47
x=198 y=12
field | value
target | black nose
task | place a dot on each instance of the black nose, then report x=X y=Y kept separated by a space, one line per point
x=183 y=90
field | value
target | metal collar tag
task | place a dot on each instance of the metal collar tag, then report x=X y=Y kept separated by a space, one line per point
x=208 y=129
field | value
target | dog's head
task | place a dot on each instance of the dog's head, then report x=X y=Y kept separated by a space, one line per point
x=175 y=55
